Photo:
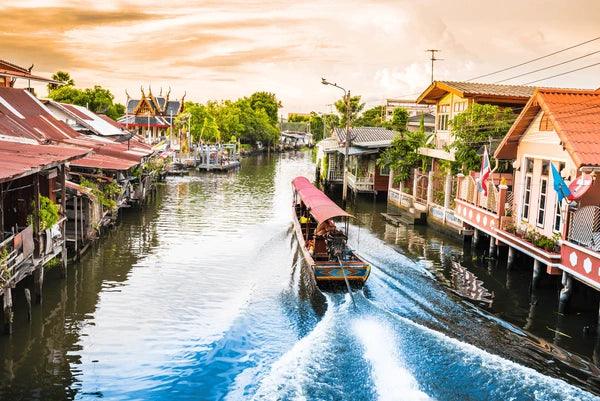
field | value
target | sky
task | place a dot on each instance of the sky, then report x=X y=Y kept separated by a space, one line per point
x=223 y=49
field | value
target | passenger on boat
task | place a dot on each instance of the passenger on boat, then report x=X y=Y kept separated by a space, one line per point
x=327 y=227
x=304 y=219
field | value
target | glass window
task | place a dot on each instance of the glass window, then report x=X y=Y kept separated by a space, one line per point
x=384 y=170
x=542 y=204
x=526 y=198
x=529 y=165
x=545 y=167
x=557 y=217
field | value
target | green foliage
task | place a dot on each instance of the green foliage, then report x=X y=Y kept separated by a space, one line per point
x=266 y=101
x=298 y=118
x=403 y=155
x=97 y=99
x=372 y=117
x=475 y=127
x=355 y=108
x=63 y=77
x=48 y=213
x=4 y=270
x=227 y=120
x=156 y=165
x=330 y=121
x=400 y=120
x=106 y=192
x=317 y=126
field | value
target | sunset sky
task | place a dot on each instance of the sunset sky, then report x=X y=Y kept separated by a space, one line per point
x=227 y=49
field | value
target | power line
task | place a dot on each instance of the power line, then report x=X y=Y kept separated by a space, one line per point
x=535 y=59
x=550 y=66
x=563 y=73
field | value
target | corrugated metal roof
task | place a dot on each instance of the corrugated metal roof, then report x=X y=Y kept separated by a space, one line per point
x=438 y=89
x=104 y=162
x=18 y=159
x=367 y=136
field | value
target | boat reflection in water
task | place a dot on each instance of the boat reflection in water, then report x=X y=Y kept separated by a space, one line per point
x=323 y=246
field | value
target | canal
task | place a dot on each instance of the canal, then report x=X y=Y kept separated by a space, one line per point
x=199 y=296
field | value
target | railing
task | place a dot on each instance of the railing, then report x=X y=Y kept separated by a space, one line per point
x=336 y=175
x=470 y=194
x=14 y=250
x=361 y=183
x=421 y=187
x=584 y=227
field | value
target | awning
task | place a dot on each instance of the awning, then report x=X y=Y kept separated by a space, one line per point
x=354 y=151
x=319 y=205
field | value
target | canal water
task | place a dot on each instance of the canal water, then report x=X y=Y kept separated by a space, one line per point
x=200 y=296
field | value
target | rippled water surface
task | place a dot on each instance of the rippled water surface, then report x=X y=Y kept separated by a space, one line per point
x=200 y=296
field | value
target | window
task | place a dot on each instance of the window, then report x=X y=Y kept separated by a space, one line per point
x=542 y=204
x=384 y=171
x=443 y=110
x=545 y=123
x=460 y=106
x=545 y=167
x=526 y=198
x=557 y=217
x=529 y=165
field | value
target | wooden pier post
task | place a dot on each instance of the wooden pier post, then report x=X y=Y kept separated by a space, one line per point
x=28 y=301
x=7 y=309
x=475 y=239
x=38 y=284
x=63 y=203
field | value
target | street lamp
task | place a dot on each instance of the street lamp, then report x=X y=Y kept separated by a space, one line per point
x=348 y=139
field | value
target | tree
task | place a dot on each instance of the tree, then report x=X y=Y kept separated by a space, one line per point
x=210 y=130
x=268 y=102
x=400 y=120
x=355 y=108
x=298 y=118
x=63 y=77
x=317 y=126
x=478 y=125
x=97 y=99
x=402 y=156
x=372 y=117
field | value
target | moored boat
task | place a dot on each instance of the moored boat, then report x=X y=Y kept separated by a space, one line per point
x=324 y=246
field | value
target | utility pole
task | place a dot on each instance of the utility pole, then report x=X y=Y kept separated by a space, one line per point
x=347 y=139
x=433 y=59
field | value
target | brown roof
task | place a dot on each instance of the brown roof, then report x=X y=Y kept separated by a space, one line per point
x=575 y=115
x=479 y=91
x=19 y=159
x=14 y=71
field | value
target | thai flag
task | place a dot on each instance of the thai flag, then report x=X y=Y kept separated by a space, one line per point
x=484 y=173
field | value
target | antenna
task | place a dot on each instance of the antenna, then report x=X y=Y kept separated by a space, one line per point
x=433 y=59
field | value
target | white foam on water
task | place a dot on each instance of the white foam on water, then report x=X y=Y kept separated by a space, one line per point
x=392 y=380
x=288 y=374
x=505 y=369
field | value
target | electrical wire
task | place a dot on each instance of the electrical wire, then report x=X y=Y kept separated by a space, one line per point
x=563 y=73
x=548 y=67
x=533 y=60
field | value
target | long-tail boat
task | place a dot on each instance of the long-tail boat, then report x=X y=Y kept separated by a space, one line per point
x=323 y=245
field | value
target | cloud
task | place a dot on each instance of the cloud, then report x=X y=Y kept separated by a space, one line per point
x=240 y=58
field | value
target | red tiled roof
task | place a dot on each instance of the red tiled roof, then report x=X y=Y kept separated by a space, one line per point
x=575 y=115
x=18 y=159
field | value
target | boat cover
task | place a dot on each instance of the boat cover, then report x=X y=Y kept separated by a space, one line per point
x=319 y=205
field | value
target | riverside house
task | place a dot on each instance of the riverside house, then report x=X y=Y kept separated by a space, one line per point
x=430 y=194
x=559 y=127
x=32 y=179
x=366 y=144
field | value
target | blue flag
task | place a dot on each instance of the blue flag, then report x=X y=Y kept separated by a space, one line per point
x=561 y=188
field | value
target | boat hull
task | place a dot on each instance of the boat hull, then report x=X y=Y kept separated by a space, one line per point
x=332 y=272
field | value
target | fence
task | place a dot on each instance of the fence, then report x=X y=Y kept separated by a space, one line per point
x=469 y=193
x=584 y=227
x=421 y=190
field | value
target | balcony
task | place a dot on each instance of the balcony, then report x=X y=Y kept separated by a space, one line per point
x=481 y=211
x=361 y=184
x=580 y=251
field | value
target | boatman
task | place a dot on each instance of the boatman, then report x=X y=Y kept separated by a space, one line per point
x=304 y=219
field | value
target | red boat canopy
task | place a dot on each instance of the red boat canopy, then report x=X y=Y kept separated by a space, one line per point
x=319 y=205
